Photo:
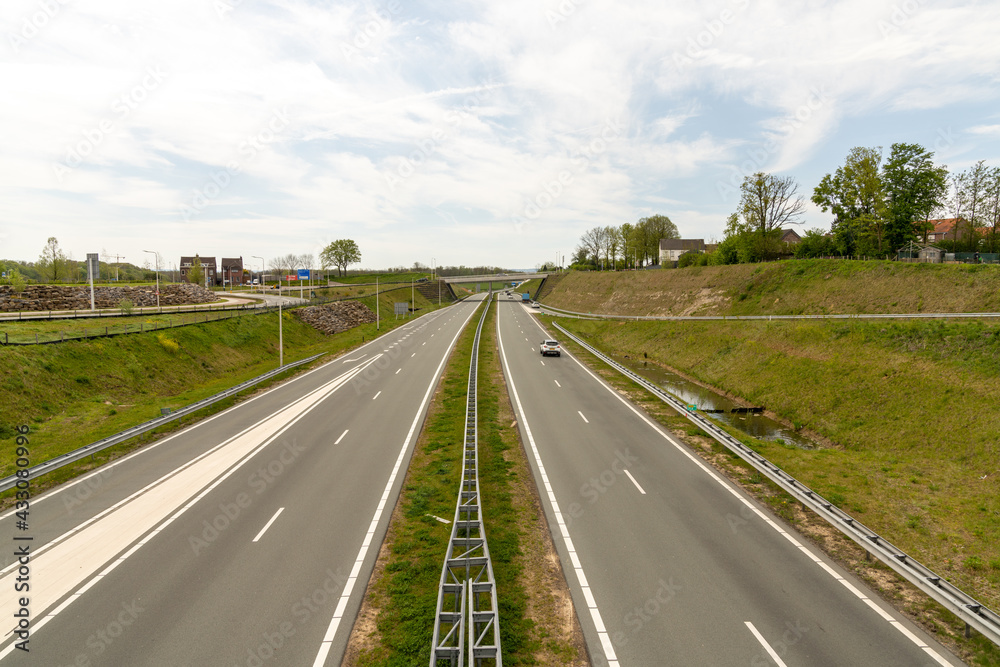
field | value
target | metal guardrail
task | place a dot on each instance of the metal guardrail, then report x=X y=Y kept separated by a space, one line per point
x=94 y=447
x=967 y=608
x=768 y=318
x=467 y=595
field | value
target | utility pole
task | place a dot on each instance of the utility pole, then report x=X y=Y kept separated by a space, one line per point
x=156 y=256
x=261 y=273
x=376 y=303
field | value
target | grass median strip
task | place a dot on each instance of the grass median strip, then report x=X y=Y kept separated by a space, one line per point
x=396 y=622
x=896 y=455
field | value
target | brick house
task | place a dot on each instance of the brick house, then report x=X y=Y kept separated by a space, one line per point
x=232 y=271
x=208 y=267
x=945 y=229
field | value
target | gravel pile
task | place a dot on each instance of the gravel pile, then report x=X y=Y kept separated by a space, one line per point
x=336 y=317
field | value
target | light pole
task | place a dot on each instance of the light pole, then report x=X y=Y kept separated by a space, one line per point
x=156 y=258
x=261 y=271
x=433 y=267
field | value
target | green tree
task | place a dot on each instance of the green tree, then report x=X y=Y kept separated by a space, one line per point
x=769 y=202
x=815 y=243
x=196 y=274
x=914 y=188
x=52 y=261
x=17 y=281
x=992 y=211
x=650 y=231
x=627 y=231
x=856 y=197
x=341 y=253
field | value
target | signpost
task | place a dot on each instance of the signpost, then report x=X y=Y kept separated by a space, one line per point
x=400 y=308
x=303 y=275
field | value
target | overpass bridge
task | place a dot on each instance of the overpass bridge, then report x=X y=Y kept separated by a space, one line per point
x=497 y=277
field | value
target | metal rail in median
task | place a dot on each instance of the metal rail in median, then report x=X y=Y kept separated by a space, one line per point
x=467 y=595
x=967 y=608
x=112 y=440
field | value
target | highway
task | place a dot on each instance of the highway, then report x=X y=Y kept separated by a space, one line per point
x=668 y=562
x=245 y=539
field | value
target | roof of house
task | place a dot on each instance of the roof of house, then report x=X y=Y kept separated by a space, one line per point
x=790 y=236
x=682 y=244
x=232 y=263
x=942 y=225
x=205 y=261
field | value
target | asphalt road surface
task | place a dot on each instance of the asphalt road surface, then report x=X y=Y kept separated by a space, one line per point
x=668 y=563
x=246 y=539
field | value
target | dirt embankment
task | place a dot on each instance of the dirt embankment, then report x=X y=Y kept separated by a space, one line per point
x=795 y=287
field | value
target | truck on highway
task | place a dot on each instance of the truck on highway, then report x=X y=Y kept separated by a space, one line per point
x=526 y=297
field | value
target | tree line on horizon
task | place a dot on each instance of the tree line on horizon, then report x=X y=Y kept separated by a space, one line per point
x=879 y=205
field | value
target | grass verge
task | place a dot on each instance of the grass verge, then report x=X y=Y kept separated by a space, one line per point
x=395 y=626
x=922 y=489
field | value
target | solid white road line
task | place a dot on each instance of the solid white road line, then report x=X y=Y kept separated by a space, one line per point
x=634 y=482
x=337 y=441
x=377 y=395
x=82 y=550
x=767 y=647
x=581 y=414
x=345 y=596
x=268 y=524
x=595 y=613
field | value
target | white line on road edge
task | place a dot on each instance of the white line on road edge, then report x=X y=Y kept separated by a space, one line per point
x=595 y=613
x=377 y=395
x=268 y=524
x=634 y=482
x=584 y=418
x=337 y=441
x=321 y=392
x=767 y=647
x=338 y=613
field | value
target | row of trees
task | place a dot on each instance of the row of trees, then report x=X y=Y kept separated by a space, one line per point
x=879 y=205
x=626 y=246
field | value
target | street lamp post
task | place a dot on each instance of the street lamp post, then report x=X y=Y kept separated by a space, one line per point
x=156 y=258
x=261 y=271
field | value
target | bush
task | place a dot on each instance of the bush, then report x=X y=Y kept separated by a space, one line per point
x=126 y=306
x=690 y=258
x=168 y=344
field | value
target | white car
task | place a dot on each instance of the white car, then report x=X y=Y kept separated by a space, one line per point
x=550 y=347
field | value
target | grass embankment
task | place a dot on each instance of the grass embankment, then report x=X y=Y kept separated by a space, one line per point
x=25 y=331
x=793 y=287
x=395 y=626
x=77 y=392
x=906 y=408
x=382 y=278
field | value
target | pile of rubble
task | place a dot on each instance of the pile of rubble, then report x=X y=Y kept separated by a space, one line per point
x=77 y=297
x=336 y=317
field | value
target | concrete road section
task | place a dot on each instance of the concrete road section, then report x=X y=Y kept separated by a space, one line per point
x=245 y=539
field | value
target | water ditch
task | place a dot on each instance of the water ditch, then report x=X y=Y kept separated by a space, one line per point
x=719 y=407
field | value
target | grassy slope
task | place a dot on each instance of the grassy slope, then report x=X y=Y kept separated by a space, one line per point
x=77 y=392
x=905 y=404
x=781 y=288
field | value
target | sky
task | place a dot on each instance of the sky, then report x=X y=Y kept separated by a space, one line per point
x=458 y=132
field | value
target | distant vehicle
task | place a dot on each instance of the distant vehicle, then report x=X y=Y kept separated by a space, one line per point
x=525 y=297
x=256 y=282
x=535 y=305
x=550 y=347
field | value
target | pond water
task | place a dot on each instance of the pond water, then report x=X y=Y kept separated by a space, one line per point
x=717 y=406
